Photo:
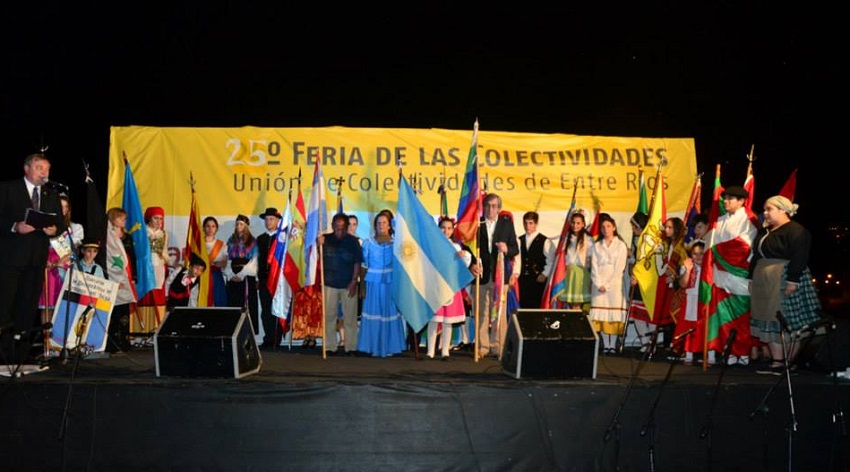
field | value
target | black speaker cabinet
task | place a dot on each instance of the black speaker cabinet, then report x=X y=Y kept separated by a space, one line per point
x=206 y=342
x=118 y=330
x=550 y=344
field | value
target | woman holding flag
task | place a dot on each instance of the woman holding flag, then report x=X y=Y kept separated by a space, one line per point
x=454 y=311
x=217 y=254
x=151 y=308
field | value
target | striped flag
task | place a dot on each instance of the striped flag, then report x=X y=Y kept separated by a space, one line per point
x=469 y=206
x=593 y=229
x=717 y=208
x=317 y=222
x=642 y=206
x=277 y=251
x=293 y=266
x=145 y=278
x=557 y=282
x=196 y=246
x=724 y=292
x=426 y=270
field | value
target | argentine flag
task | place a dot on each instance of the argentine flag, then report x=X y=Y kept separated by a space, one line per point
x=426 y=269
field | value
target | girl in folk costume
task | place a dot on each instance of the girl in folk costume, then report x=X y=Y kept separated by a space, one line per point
x=689 y=318
x=452 y=312
x=669 y=257
x=609 y=257
x=217 y=255
x=241 y=270
x=183 y=284
x=577 y=259
x=152 y=304
x=59 y=256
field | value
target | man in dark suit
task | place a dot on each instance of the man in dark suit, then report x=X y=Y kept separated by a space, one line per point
x=496 y=234
x=23 y=251
x=272 y=332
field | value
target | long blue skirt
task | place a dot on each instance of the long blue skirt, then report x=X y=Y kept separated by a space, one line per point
x=382 y=329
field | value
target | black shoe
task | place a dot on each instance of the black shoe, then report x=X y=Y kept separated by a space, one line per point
x=771 y=370
x=444 y=358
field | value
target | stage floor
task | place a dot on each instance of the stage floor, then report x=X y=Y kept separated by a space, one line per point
x=298 y=365
x=303 y=412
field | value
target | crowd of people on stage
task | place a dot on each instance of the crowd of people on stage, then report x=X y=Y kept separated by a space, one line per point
x=759 y=268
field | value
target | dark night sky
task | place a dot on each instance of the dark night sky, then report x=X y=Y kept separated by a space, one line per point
x=728 y=75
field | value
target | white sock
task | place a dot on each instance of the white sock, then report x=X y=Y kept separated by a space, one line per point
x=432 y=337
x=446 y=339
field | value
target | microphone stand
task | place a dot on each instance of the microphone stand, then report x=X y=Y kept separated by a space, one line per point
x=786 y=376
x=649 y=426
x=77 y=355
x=840 y=427
x=786 y=354
x=615 y=425
x=708 y=425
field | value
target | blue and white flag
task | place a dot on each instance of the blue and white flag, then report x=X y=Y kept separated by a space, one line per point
x=426 y=269
x=317 y=221
x=136 y=228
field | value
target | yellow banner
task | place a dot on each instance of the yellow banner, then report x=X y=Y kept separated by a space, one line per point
x=244 y=170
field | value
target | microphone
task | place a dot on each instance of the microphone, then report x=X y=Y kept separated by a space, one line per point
x=782 y=321
x=814 y=326
x=18 y=335
x=55 y=185
x=680 y=336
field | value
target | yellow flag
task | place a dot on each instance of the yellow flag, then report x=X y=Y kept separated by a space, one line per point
x=649 y=244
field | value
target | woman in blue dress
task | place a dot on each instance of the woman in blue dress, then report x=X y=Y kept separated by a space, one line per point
x=382 y=329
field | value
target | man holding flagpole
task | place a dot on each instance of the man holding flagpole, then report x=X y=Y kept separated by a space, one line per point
x=271 y=328
x=495 y=235
x=731 y=242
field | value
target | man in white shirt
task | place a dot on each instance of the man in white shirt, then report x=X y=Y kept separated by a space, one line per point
x=496 y=235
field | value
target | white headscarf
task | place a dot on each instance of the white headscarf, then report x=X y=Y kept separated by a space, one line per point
x=783 y=204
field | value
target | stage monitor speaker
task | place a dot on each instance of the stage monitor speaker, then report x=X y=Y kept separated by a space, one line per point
x=206 y=342
x=550 y=344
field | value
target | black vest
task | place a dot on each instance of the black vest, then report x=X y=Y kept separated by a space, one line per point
x=533 y=259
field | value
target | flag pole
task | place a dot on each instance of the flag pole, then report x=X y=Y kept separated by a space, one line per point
x=322 y=275
x=708 y=245
x=478 y=277
x=134 y=307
